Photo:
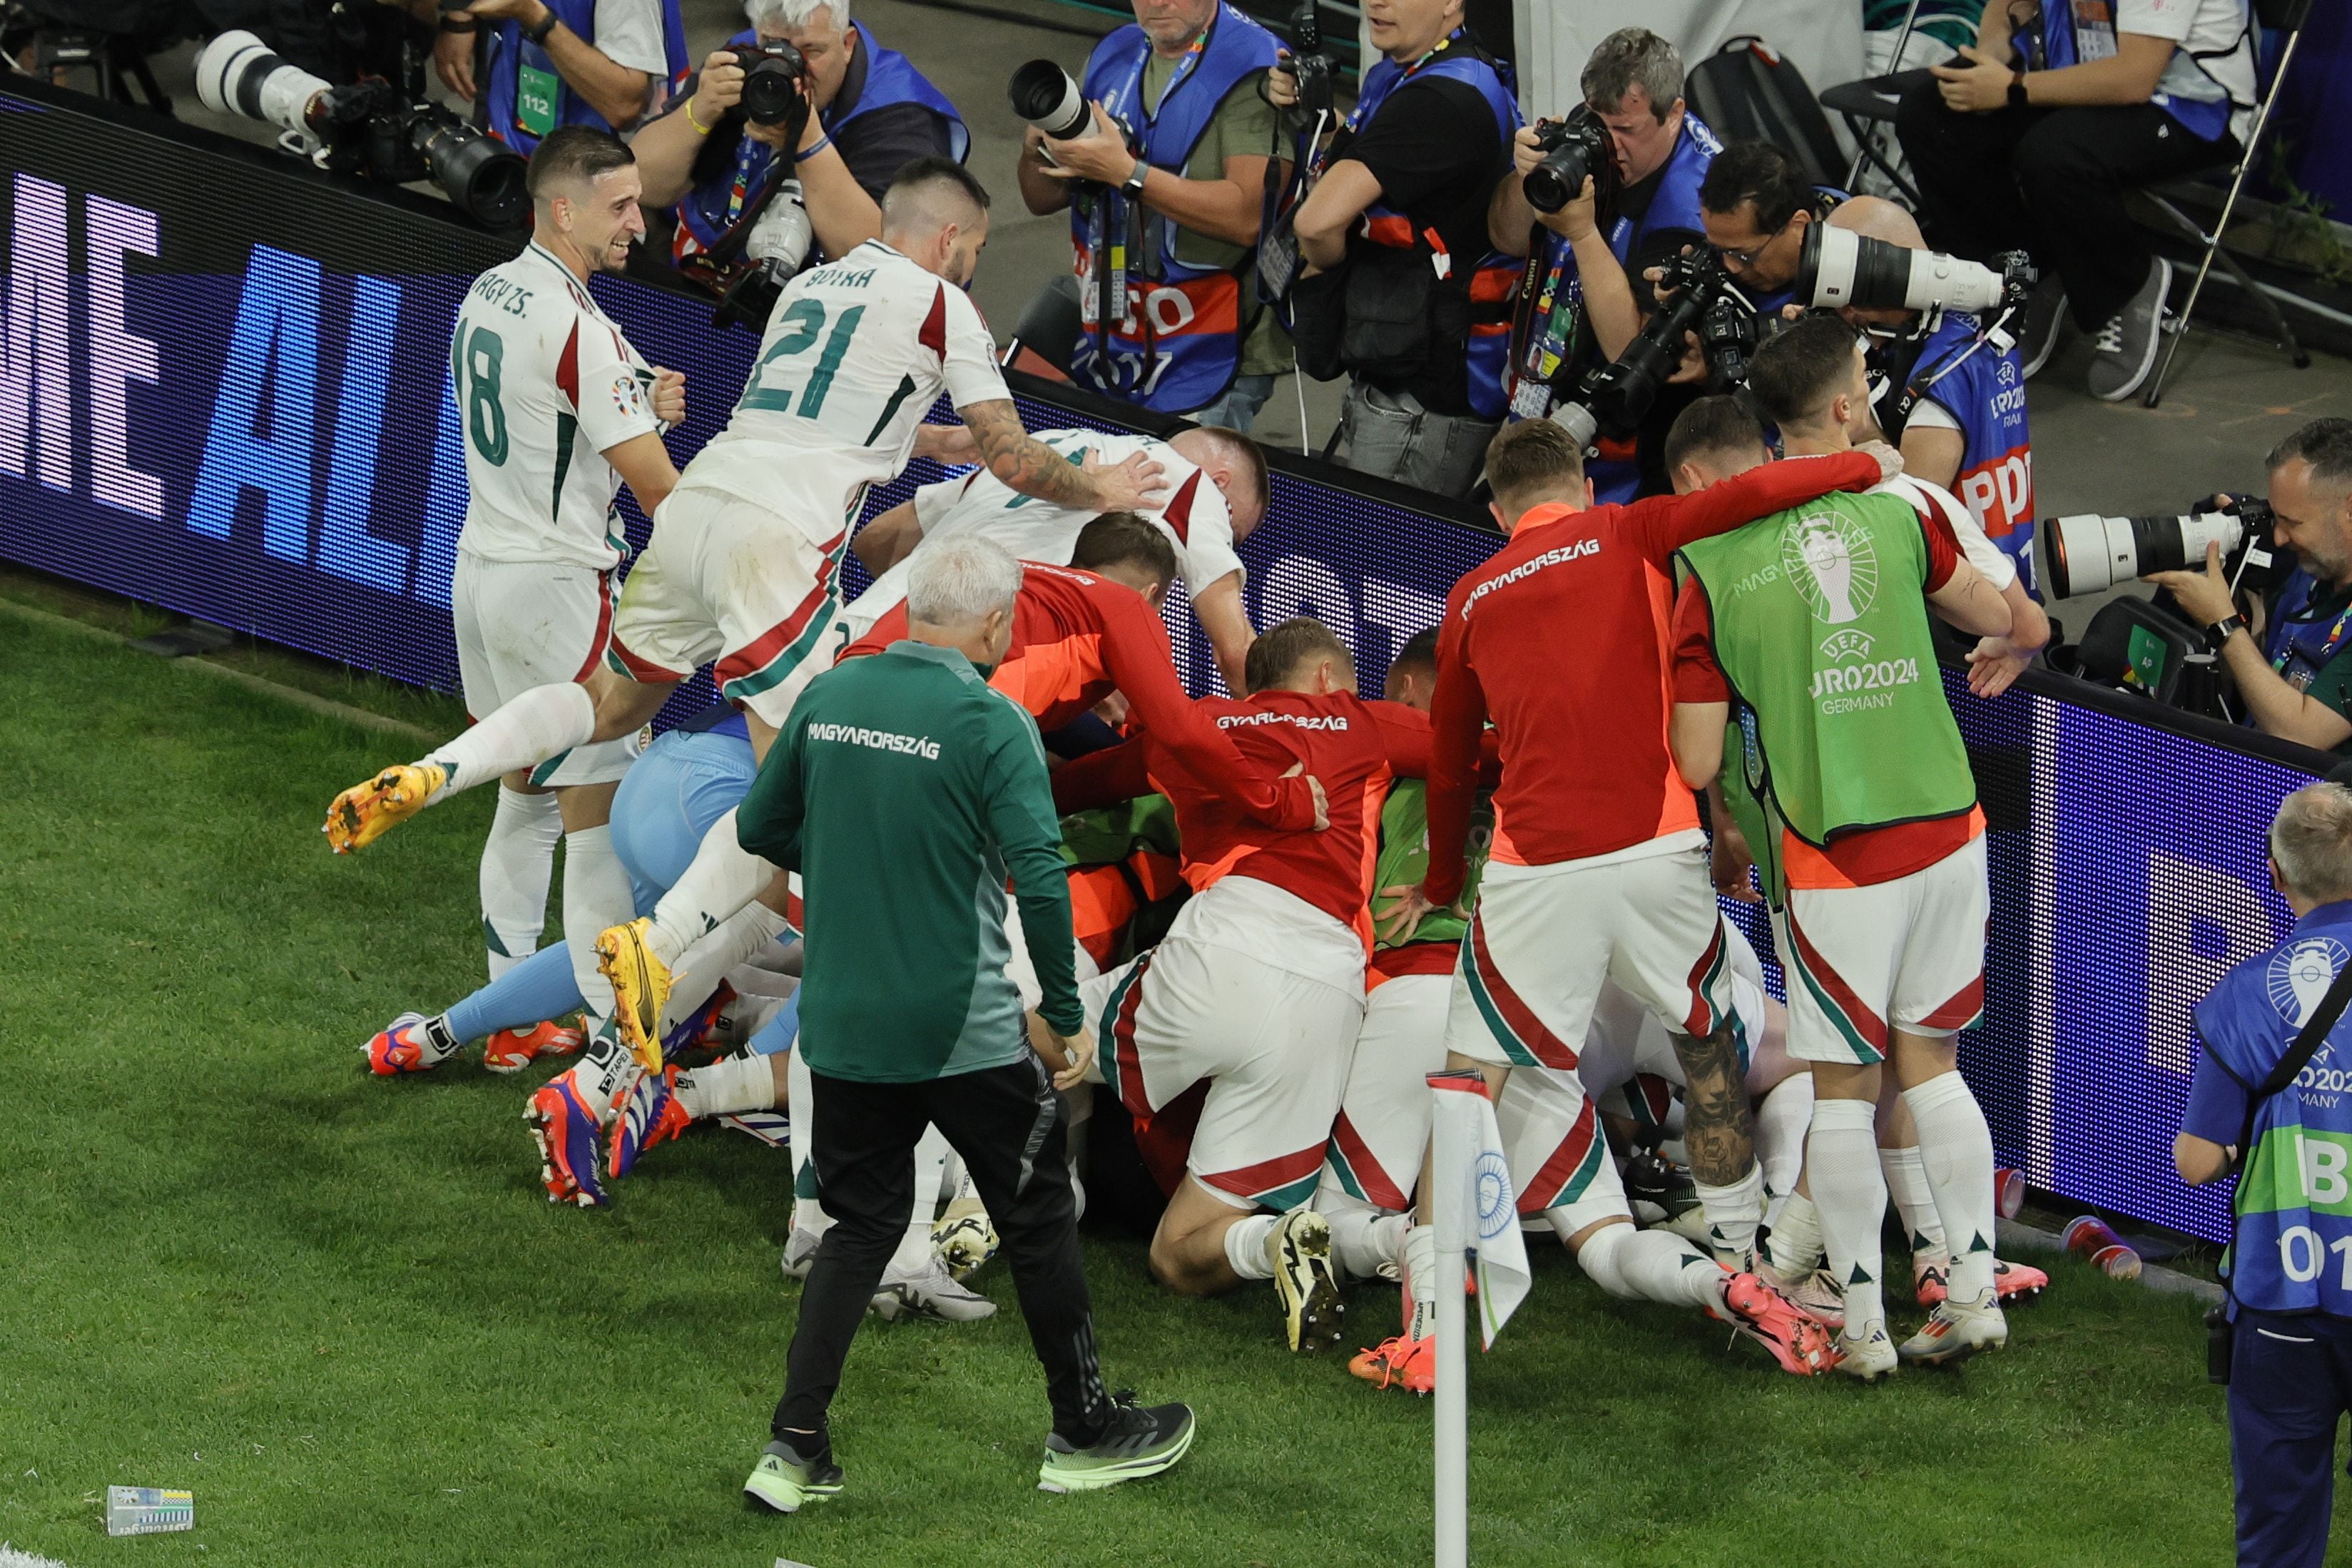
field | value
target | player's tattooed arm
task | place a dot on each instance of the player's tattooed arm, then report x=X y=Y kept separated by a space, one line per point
x=1022 y=463
x=1719 y=1129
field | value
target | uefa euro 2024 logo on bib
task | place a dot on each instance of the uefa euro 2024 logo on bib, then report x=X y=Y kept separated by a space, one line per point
x=2300 y=976
x=1834 y=564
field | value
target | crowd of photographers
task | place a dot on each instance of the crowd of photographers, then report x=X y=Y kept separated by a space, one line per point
x=1232 y=218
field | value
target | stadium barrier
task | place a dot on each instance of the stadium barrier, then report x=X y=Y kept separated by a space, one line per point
x=224 y=389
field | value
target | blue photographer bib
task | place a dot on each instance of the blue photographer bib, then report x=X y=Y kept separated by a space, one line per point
x=713 y=208
x=2077 y=32
x=1982 y=388
x=1551 y=344
x=1177 y=342
x=525 y=97
x=2294 y=1250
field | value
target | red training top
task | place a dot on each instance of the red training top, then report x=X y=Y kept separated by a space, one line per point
x=1560 y=638
x=1077 y=637
x=1858 y=859
x=1352 y=746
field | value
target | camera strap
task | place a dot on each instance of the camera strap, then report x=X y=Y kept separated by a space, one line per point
x=2290 y=1067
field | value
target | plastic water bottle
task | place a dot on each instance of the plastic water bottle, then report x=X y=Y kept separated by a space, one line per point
x=2009 y=1192
x=2090 y=1237
x=148 y=1510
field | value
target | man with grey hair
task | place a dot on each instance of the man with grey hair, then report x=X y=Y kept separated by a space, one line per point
x=872 y=114
x=2289 y=1364
x=905 y=791
x=2294 y=681
x=1591 y=297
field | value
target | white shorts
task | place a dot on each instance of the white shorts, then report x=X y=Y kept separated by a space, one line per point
x=1544 y=939
x=748 y=585
x=522 y=623
x=1382 y=1129
x=1628 y=1063
x=1559 y=1157
x=1274 y=1044
x=1906 y=954
x=882 y=596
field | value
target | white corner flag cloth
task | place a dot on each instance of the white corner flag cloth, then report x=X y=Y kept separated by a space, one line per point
x=1475 y=1200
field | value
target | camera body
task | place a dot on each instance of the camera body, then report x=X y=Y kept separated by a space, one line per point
x=1309 y=65
x=1706 y=302
x=775 y=85
x=1574 y=150
x=2090 y=553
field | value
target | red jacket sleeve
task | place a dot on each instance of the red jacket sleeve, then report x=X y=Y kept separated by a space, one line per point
x=1660 y=525
x=1103 y=778
x=1457 y=720
x=1698 y=677
x=1135 y=656
x=890 y=629
x=1943 y=547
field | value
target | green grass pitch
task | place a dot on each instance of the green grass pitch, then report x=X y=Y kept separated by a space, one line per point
x=342 y=1312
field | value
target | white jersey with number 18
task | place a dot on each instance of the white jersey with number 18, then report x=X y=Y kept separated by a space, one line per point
x=854 y=354
x=545 y=386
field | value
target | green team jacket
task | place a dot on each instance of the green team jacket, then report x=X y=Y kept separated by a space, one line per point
x=1403 y=861
x=904 y=791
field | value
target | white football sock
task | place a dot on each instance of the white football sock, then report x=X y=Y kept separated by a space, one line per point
x=727 y=1087
x=1956 y=1147
x=605 y=1068
x=1841 y=1157
x=723 y=878
x=1421 y=1280
x=1793 y=1245
x=540 y=723
x=808 y=1213
x=1646 y=1265
x=1780 y=1123
x=518 y=865
x=1733 y=1213
x=931 y=1163
x=1907 y=1184
x=739 y=935
x=1363 y=1239
x=1246 y=1245
x=596 y=894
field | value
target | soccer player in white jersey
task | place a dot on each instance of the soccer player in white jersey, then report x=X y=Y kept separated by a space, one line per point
x=742 y=568
x=1216 y=486
x=557 y=412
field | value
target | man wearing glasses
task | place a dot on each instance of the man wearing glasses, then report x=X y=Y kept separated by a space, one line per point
x=1757 y=203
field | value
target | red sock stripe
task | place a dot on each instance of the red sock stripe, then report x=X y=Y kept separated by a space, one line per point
x=1371 y=1175
x=1539 y=1041
x=1867 y=1024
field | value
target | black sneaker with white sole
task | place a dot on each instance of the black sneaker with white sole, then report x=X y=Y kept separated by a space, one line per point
x=2126 y=348
x=1137 y=1441
x=784 y=1480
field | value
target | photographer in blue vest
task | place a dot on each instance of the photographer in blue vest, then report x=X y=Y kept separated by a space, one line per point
x=2031 y=139
x=2291 y=665
x=2287 y=1351
x=539 y=64
x=1589 y=296
x=1401 y=288
x=1165 y=190
x=873 y=113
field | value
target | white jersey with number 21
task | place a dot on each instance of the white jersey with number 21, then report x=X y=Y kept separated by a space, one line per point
x=545 y=386
x=854 y=354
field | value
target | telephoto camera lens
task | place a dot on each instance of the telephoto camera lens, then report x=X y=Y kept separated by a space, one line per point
x=2090 y=553
x=238 y=74
x=1840 y=268
x=1044 y=95
x=483 y=177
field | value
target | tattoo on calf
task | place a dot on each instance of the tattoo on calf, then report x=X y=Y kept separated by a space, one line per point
x=1718 y=1128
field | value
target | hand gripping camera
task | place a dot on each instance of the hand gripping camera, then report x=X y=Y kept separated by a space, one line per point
x=775 y=86
x=1574 y=150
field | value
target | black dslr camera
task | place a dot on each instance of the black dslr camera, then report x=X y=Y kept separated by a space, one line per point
x=1706 y=302
x=1574 y=150
x=1309 y=64
x=775 y=85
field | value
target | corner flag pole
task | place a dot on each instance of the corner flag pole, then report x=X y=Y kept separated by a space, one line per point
x=1450 y=1166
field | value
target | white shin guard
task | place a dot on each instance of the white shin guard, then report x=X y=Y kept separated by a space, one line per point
x=543 y=723
x=518 y=868
x=723 y=878
x=596 y=894
x=1649 y=1266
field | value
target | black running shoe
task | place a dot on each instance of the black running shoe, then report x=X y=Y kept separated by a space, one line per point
x=1137 y=1441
